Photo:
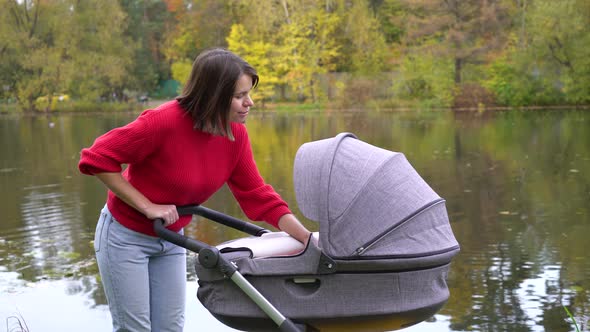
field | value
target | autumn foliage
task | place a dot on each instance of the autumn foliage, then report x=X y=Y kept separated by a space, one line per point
x=428 y=53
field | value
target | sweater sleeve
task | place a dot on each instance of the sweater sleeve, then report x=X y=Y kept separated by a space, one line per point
x=124 y=145
x=258 y=200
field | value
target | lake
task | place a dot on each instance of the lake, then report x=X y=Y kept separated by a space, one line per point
x=517 y=186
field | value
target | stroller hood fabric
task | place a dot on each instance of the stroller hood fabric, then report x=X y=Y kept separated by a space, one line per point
x=369 y=202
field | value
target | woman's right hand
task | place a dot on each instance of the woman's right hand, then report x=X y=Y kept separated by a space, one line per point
x=166 y=212
x=125 y=191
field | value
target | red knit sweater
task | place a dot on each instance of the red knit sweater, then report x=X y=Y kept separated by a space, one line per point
x=171 y=163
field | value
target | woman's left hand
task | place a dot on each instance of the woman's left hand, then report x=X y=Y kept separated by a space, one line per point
x=289 y=224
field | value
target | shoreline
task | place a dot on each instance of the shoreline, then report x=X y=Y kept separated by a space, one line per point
x=304 y=107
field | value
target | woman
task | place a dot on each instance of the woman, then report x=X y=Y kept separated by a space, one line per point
x=177 y=154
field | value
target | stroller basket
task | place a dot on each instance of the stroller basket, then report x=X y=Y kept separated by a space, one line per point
x=379 y=261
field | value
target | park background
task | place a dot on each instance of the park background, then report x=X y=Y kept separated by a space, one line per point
x=72 y=55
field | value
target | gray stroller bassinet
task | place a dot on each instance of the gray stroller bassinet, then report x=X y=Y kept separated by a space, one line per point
x=379 y=261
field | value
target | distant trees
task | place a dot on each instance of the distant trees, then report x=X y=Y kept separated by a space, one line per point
x=51 y=47
x=147 y=24
x=425 y=52
x=442 y=38
x=546 y=59
x=557 y=49
x=300 y=41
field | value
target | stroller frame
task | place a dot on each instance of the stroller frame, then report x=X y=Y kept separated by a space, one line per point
x=210 y=258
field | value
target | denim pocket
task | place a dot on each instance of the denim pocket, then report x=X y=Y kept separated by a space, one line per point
x=99 y=228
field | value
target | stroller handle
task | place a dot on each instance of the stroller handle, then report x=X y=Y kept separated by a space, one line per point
x=213 y=215
x=178 y=239
x=223 y=219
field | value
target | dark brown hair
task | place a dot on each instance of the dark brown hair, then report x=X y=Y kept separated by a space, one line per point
x=207 y=95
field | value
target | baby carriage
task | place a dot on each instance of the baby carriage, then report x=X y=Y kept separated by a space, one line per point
x=379 y=261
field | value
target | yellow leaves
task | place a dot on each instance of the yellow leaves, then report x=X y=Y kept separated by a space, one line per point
x=258 y=54
x=237 y=39
x=181 y=70
x=51 y=103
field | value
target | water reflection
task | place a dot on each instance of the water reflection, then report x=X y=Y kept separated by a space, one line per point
x=516 y=184
x=68 y=305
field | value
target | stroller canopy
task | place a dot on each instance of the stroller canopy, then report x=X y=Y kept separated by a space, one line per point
x=369 y=202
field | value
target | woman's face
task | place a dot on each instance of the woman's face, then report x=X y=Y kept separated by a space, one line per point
x=241 y=101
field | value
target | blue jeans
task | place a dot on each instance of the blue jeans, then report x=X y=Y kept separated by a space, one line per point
x=144 y=277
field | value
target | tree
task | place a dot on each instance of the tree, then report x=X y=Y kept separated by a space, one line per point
x=147 y=24
x=465 y=31
x=259 y=55
x=368 y=50
x=103 y=55
x=425 y=79
x=308 y=46
x=390 y=14
x=546 y=61
x=558 y=46
x=199 y=25
x=52 y=47
x=300 y=39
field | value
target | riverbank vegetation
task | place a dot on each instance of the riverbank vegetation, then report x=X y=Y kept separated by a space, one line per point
x=114 y=54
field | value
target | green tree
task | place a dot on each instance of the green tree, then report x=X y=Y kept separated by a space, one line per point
x=464 y=31
x=510 y=80
x=147 y=25
x=198 y=25
x=425 y=79
x=558 y=42
x=102 y=55
x=52 y=47
x=390 y=14
x=364 y=47
x=547 y=61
